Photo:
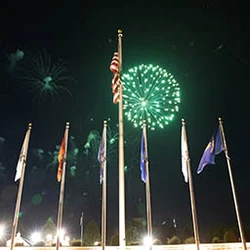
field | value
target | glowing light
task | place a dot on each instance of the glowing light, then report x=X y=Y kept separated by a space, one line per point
x=2 y=231
x=61 y=234
x=150 y=93
x=49 y=237
x=147 y=241
x=64 y=239
x=36 y=237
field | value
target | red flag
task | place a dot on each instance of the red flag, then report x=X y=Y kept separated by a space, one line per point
x=114 y=67
x=61 y=156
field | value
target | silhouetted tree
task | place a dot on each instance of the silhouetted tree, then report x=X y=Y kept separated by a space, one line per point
x=49 y=227
x=230 y=236
x=92 y=234
x=218 y=232
x=189 y=240
x=114 y=241
x=174 y=240
x=216 y=240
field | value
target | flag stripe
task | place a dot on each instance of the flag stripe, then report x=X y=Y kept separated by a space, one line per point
x=114 y=67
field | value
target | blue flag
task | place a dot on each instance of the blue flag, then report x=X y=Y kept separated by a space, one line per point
x=214 y=147
x=143 y=159
x=101 y=156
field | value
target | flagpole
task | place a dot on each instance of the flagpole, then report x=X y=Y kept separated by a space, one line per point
x=191 y=191
x=122 y=239
x=20 y=188
x=81 y=228
x=242 y=236
x=148 y=196
x=60 y=206
x=104 y=187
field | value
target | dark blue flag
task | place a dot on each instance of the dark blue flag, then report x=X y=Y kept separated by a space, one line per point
x=101 y=156
x=214 y=147
x=143 y=159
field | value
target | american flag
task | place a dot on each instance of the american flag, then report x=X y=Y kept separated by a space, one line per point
x=114 y=67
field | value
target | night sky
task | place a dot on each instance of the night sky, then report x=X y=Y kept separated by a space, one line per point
x=205 y=47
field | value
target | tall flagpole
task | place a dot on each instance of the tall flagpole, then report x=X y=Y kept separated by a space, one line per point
x=242 y=236
x=191 y=191
x=20 y=189
x=148 y=196
x=81 y=228
x=122 y=239
x=60 y=206
x=104 y=187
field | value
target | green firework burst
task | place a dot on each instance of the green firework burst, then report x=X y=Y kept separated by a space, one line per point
x=150 y=93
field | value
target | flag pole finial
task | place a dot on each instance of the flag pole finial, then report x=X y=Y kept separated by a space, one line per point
x=29 y=125
x=220 y=120
x=104 y=122
x=183 y=121
x=119 y=31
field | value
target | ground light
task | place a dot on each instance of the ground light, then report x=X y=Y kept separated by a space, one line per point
x=2 y=231
x=36 y=237
x=64 y=239
x=147 y=241
x=49 y=237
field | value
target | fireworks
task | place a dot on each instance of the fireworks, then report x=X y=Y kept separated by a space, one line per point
x=150 y=93
x=44 y=75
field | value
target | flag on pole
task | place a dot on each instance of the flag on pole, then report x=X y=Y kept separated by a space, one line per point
x=22 y=157
x=143 y=159
x=61 y=158
x=101 y=155
x=184 y=152
x=214 y=147
x=114 y=67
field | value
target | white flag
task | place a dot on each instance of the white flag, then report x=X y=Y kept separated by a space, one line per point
x=23 y=155
x=184 y=152
x=19 y=169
